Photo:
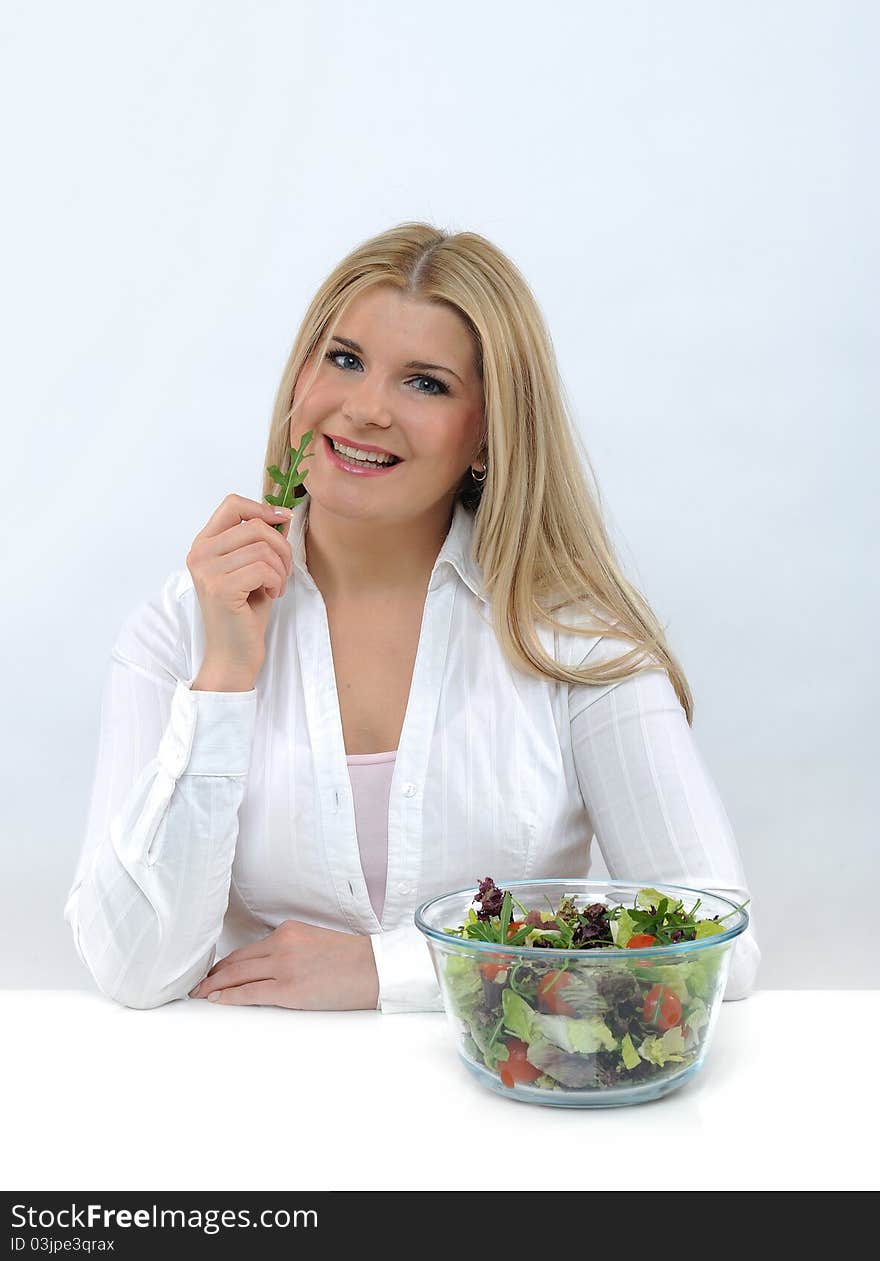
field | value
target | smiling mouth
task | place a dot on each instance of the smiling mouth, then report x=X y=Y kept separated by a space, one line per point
x=346 y=455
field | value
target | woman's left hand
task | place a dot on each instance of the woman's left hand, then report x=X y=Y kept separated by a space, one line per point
x=300 y=966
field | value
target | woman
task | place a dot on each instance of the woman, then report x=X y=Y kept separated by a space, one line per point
x=435 y=672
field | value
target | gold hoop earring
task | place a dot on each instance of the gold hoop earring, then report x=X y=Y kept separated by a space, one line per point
x=480 y=480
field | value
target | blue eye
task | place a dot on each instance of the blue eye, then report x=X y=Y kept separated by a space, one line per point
x=333 y=355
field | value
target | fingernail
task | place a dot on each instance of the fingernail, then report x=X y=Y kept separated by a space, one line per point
x=283 y=512
x=215 y=997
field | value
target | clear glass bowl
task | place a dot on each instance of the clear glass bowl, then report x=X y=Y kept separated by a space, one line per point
x=574 y=1048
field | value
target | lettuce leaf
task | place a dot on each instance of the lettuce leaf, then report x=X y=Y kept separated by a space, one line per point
x=519 y=1017
x=570 y=1069
x=464 y=981
x=626 y=926
x=696 y=1015
x=581 y=1035
x=646 y=898
x=673 y=976
x=629 y=1053
x=659 y=1050
x=690 y=978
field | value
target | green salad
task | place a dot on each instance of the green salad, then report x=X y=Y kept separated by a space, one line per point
x=561 y=1025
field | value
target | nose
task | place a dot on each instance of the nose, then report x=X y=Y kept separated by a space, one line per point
x=368 y=401
x=364 y=408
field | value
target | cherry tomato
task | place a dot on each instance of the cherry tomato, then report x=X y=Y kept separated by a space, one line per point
x=550 y=994
x=636 y=942
x=514 y=926
x=493 y=965
x=517 y=1067
x=661 y=1008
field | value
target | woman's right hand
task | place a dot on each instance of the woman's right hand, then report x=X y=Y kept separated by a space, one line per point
x=239 y=564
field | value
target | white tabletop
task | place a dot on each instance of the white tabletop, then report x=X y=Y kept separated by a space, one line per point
x=193 y=1096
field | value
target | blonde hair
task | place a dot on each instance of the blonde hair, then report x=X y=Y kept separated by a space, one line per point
x=539 y=536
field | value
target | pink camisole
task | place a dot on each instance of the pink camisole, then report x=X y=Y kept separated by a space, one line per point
x=370 y=775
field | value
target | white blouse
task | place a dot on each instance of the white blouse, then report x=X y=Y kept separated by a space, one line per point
x=215 y=816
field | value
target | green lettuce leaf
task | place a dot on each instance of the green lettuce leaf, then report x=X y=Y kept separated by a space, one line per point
x=646 y=898
x=659 y=1050
x=701 y=972
x=464 y=982
x=672 y=975
x=626 y=926
x=581 y=1035
x=629 y=1053
x=696 y=1015
x=519 y=1017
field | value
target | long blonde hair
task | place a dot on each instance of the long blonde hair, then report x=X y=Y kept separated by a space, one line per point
x=539 y=536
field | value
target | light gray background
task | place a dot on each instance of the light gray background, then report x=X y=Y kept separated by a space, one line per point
x=691 y=191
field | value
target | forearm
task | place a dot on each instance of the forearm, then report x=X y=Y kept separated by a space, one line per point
x=149 y=908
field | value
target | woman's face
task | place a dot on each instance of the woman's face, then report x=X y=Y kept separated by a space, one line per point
x=372 y=396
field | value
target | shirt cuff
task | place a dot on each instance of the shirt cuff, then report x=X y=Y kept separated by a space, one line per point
x=208 y=733
x=407 y=979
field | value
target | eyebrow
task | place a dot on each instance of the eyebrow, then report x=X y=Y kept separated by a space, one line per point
x=413 y=363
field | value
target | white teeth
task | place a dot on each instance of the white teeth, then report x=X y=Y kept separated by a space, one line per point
x=364 y=457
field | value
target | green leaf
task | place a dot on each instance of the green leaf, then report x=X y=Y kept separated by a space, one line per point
x=290 y=481
x=492 y=1049
x=519 y=1017
x=629 y=1053
x=648 y=898
x=505 y=915
x=708 y=927
x=574 y=1034
x=464 y=985
x=659 y=1050
x=740 y=907
x=626 y=926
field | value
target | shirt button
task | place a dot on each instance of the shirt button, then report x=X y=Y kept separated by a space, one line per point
x=409 y=790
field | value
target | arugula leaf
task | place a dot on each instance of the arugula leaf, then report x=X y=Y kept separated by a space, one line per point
x=505 y=916
x=292 y=480
x=739 y=908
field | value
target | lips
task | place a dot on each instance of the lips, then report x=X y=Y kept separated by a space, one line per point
x=362 y=446
x=367 y=469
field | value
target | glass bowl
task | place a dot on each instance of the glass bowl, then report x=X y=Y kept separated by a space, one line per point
x=633 y=1024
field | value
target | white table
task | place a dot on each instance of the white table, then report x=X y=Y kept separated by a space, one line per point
x=193 y=1096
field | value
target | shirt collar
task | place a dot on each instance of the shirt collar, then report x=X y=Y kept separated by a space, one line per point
x=457 y=549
